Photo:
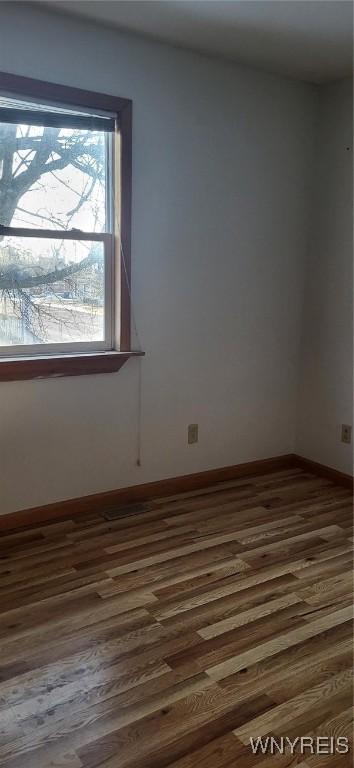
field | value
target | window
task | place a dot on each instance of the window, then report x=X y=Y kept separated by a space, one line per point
x=65 y=185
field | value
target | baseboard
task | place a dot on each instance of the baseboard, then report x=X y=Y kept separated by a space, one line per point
x=184 y=483
x=321 y=469
x=137 y=493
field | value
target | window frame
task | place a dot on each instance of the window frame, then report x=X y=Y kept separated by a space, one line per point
x=117 y=348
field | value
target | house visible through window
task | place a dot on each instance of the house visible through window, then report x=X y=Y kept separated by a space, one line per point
x=57 y=226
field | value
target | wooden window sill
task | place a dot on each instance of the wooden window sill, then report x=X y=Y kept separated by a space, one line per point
x=51 y=366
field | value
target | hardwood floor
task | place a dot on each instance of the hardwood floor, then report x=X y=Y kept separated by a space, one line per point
x=171 y=637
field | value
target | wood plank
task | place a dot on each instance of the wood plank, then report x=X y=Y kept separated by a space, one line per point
x=167 y=639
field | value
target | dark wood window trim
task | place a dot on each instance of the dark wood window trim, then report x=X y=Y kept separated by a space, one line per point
x=45 y=366
x=48 y=366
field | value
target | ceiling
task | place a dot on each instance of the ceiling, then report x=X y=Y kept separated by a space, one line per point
x=306 y=39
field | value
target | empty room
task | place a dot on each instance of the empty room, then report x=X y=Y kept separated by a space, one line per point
x=176 y=384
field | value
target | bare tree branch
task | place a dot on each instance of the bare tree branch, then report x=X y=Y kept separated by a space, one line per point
x=12 y=279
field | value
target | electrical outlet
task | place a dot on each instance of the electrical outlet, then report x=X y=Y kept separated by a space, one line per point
x=192 y=433
x=346 y=433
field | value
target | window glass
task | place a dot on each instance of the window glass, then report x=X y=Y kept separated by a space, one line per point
x=53 y=178
x=51 y=291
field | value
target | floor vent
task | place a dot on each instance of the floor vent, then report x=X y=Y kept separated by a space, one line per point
x=125 y=511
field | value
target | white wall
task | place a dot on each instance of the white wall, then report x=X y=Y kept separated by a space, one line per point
x=326 y=385
x=222 y=161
